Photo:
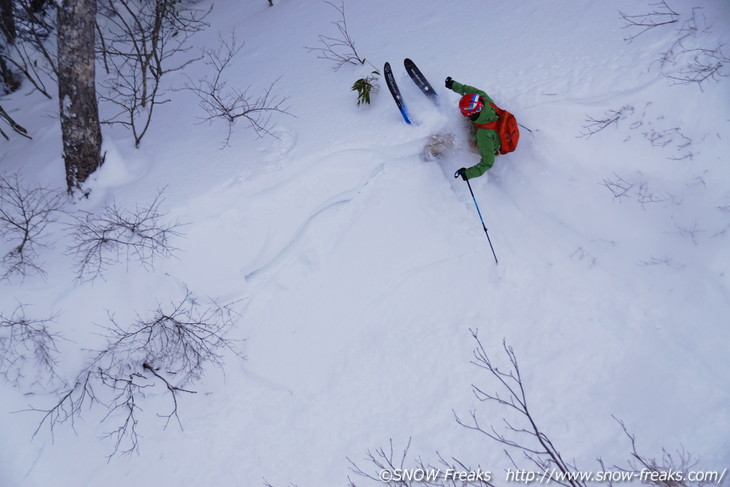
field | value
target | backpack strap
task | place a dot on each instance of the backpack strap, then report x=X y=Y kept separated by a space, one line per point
x=491 y=125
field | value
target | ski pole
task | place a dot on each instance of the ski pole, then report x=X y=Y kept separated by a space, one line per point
x=486 y=232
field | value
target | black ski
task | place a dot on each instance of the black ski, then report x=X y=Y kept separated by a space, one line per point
x=393 y=87
x=420 y=80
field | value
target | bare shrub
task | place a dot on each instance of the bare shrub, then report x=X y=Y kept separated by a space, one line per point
x=231 y=104
x=527 y=437
x=661 y=15
x=25 y=214
x=645 y=196
x=381 y=460
x=141 y=42
x=528 y=447
x=670 y=470
x=524 y=436
x=696 y=65
x=690 y=58
x=28 y=348
x=339 y=49
x=656 y=261
x=384 y=467
x=655 y=129
x=160 y=354
x=636 y=189
x=594 y=125
x=689 y=231
x=618 y=186
x=670 y=136
x=101 y=240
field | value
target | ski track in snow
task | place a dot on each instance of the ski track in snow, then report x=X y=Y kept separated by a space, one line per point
x=272 y=252
x=297 y=236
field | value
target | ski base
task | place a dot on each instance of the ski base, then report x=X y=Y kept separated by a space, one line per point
x=420 y=80
x=393 y=87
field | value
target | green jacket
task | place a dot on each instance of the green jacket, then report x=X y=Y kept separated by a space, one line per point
x=487 y=140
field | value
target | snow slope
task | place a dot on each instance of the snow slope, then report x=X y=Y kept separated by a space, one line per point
x=358 y=269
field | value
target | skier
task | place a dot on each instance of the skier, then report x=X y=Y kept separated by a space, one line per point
x=476 y=106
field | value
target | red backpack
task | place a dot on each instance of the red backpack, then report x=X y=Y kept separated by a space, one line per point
x=506 y=127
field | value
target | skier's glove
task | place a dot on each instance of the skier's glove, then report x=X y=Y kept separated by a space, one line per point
x=449 y=82
x=461 y=172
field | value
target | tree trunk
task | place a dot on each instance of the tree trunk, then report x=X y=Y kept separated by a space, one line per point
x=77 y=90
x=7 y=21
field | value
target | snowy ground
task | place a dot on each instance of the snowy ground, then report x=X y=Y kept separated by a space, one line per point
x=358 y=269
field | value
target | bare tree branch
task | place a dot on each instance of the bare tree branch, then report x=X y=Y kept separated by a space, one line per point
x=144 y=41
x=522 y=436
x=339 y=49
x=661 y=15
x=25 y=213
x=163 y=353
x=688 y=59
x=102 y=240
x=618 y=186
x=528 y=438
x=662 y=472
x=387 y=468
x=17 y=128
x=28 y=347
x=26 y=48
x=231 y=104
x=612 y=117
